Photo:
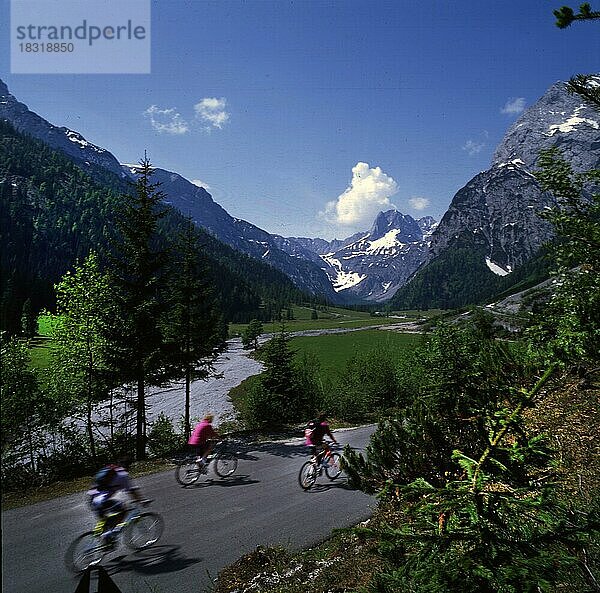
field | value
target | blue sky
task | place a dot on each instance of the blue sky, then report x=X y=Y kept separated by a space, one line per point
x=283 y=107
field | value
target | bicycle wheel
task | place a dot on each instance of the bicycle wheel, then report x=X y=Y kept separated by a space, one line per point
x=87 y=550
x=308 y=475
x=143 y=531
x=333 y=469
x=225 y=464
x=187 y=472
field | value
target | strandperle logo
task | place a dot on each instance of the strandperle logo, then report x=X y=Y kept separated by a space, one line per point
x=84 y=32
x=80 y=37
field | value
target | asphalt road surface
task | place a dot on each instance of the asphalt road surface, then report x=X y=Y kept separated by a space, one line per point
x=207 y=525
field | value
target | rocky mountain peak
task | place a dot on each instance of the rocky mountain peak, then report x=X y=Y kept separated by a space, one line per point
x=497 y=212
x=392 y=220
x=557 y=119
x=70 y=142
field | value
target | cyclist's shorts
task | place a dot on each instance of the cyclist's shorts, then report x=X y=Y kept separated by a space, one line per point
x=199 y=450
x=104 y=505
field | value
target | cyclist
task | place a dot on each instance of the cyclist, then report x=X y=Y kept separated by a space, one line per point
x=111 y=489
x=201 y=439
x=314 y=437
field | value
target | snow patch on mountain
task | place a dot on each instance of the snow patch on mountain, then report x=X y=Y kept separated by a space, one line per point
x=342 y=280
x=570 y=124
x=498 y=270
x=386 y=243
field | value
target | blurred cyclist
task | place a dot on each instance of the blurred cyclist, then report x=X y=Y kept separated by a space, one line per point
x=201 y=439
x=112 y=488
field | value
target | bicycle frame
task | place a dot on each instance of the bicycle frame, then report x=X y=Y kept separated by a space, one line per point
x=132 y=513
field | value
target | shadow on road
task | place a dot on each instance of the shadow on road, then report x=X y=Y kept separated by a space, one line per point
x=239 y=480
x=283 y=449
x=338 y=485
x=154 y=560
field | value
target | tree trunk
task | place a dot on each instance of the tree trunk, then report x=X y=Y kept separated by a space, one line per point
x=112 y=419
x=90 y=429
x=140 y=433
x=188 y=381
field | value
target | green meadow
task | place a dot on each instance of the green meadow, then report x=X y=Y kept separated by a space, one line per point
x=333 y=351
x=336 y=317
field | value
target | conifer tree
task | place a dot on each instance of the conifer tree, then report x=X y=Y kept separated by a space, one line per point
x=494 y=525
x=193 y=325
x=581 y=84
x=252 y=333
x=138 y=269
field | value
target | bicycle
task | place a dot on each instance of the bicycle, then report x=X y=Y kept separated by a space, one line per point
x=138 y=531
x=312 y=469
x=189 y=469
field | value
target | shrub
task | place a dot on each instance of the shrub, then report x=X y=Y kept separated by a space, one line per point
x=163 y=439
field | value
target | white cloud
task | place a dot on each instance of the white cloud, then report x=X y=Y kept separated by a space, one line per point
x=167 y=121
x=201 y=183
x=368 y=193
x=212 y=111
x=514 y=106
x=473 y=147
x=419 y=203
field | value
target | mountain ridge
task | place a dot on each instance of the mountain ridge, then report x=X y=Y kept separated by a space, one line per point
x=179 y=193
x=496 y=215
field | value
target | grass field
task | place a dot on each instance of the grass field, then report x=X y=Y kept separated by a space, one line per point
x=39 y=351
x=335 y=317
x=334 y=350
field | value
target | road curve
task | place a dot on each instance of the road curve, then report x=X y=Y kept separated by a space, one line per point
x=208 y=525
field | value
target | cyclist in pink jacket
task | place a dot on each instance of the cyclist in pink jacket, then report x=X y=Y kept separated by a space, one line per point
x=201 y=438
x=314 y=437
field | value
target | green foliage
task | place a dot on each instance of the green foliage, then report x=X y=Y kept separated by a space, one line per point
x=251 y=334
x=22 y=409
x=494 y=524
x=137 y=271
x=287 y=391
x=192 y=325
x=566 y=15
x=163 y=440
x=29 y=414
x=85 y=312
x=446 y=389
x=569 y=328
x=368 y=385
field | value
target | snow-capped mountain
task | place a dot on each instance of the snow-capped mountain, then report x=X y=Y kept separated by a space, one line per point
x=374 y=264
x=194 y=201
x=499 y=207
x=179 y=192
x=494 y=219
x=70 y=142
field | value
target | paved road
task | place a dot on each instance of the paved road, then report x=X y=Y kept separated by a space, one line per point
x=208 y=525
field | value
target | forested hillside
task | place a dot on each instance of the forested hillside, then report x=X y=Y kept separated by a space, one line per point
x=52 y=214
x=459 y=277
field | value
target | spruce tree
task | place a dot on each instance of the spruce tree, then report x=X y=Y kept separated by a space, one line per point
x=252 y=333
x=193 y=325
x=138 y=268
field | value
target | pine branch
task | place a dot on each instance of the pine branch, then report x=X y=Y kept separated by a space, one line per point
x=507 y=424
x=565 y=15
